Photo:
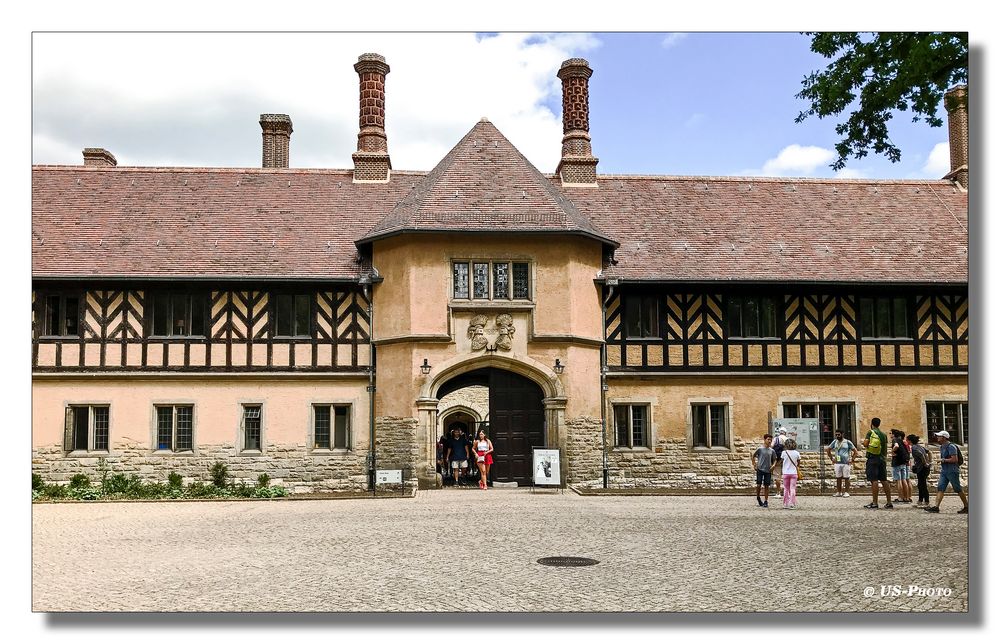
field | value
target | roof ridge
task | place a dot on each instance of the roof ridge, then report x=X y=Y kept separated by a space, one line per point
x=212 y=170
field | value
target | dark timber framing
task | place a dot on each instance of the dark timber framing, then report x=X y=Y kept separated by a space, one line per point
x=239 y=313
x=817 y=329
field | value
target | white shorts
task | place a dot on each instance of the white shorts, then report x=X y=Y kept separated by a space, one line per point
x=459 y=464
x=842 y=470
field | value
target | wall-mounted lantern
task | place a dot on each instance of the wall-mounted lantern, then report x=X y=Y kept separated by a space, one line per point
x=425 y=368
x=558 y=367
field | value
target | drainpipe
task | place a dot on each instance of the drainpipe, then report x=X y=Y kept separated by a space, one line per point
x=611 y=283
x=370 y=296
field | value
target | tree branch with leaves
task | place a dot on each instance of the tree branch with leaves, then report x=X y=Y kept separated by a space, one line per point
x=881 y=73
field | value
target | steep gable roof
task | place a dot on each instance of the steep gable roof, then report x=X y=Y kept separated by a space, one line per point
x=485 y=185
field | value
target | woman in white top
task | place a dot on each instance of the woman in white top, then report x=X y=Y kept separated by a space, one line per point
x=484 y=457
x=790 y=458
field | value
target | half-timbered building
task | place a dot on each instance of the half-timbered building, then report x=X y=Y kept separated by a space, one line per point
x=309 y=323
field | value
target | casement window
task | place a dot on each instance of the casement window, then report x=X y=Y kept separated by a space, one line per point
x=61 y=315
x=642 y=316
x=751 y=316
x=292 y=315
x=710 y=425
x=884 y=317
x=175 y=428
x=631 y=425
x=87 y=428
x=952 y=417
x=250 y=429
x=838 y=416
x=490 y=280
x=176 y=314
x=331 y=427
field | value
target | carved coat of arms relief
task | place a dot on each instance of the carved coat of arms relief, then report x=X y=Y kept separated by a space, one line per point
x=503 y=329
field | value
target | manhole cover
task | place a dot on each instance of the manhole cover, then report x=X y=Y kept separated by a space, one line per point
x=567 y=562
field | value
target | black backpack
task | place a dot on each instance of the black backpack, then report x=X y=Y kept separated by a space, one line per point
x=778 y=448
x=961 y=459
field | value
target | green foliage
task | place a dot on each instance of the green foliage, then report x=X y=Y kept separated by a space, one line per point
x=263 y=480
x=55 y=491
x=269 y=492
x=175 y=480
x=37 y=482
x=198 y=490
x=79 y=481
x=84 y=493
x=115 y=484
x=242 y=491
x=219 y=473
x=877 y=74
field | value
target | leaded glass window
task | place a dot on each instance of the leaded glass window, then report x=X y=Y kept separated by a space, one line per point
x=521 y=290
x=175 y=428
x=480 y=281
x=460 y=279
x=501 y=280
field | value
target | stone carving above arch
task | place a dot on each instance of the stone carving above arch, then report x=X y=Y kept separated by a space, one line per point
x=503 y=329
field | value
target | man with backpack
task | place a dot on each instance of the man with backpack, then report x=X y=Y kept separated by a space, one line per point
x=778 y=445
x=922 y=468
x=876 y=450
x=951 y=460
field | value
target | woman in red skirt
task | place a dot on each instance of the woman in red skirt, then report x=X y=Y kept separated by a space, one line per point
x=484 y=457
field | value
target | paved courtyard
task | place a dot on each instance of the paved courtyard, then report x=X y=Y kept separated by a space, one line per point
x=462 y=550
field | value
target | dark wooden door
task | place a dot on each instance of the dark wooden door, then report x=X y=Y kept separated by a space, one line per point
x=517 y=424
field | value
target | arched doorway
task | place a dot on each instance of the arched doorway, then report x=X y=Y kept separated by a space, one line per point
x=517 y=419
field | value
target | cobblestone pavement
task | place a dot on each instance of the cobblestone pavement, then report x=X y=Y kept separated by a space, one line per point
x=458 y=550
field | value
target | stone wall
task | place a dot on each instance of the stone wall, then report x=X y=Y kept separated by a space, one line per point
x=396 y=444
x=676 y=466
x=475 y=397
x=583 y=449
x=297 y=468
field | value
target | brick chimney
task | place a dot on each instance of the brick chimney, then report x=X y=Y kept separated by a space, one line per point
x=371 y=161
x=277 y=132
x=99 y=157
x=578 y=166
x=956 y=101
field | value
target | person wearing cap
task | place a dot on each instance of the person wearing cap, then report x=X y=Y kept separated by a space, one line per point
x=876 y=450
x=949 y=474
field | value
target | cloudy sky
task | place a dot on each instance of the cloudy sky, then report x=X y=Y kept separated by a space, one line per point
x=661 y=103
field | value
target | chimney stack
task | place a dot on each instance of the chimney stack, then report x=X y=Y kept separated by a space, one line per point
x=578 y=166
x=277 y=132
x=99 y=157
x=371 y=161
x=956 y=101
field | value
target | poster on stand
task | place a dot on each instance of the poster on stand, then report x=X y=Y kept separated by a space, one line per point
x=545 y=465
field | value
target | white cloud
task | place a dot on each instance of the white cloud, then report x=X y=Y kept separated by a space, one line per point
x=851 y=173
x=695 y=120
x=672 y=40
x=938 y=161
x=794 y=161
x=194 y=99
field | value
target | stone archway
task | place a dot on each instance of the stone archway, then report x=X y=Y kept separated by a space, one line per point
x=553 y=402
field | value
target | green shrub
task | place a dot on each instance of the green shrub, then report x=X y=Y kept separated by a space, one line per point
x=36 y=494
x=263 y=480
x=37 y=482
x=84 y=493
x=153 y=491
x=55 y=491
x=79 y=481
x=219 y=473
x=198 y=490
x=115 y=484
x=175 y=480
x=242 y=491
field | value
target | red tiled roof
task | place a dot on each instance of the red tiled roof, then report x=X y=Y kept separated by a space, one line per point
x=304 y=224
x=203 y=222
x=788 y=230
x=483 y=185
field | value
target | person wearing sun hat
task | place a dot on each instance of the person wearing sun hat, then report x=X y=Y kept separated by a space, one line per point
x=949 y=474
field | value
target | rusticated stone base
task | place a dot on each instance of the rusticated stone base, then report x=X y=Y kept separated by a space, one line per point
x=583 y=449
x=294 y=466
x=396 y=445
x=674 y=465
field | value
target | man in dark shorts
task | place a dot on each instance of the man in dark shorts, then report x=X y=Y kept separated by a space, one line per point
x=457 y=453
x=876 y=449
x=950 y=471
x=763 y=461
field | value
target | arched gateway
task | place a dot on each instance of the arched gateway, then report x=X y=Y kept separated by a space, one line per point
x=526 y=408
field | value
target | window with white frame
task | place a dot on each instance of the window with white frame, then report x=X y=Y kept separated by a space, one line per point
x=833 y=417
x=251 y=439
x=631 y=425
x=175 y=428
x=331 y=427
x=87 y=428
x=952 y=417
x=710 y=425
x=490 y=280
